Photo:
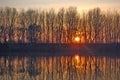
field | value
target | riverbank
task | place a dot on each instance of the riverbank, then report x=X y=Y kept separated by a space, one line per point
x=41 y=49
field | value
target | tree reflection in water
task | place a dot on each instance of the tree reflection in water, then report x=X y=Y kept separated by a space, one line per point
x=60 y=68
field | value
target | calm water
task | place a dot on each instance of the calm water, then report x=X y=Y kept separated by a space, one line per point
x=60 y=68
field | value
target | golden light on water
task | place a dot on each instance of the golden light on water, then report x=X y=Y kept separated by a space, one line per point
x=76 y=60
x=77 y=57
x=76 y=67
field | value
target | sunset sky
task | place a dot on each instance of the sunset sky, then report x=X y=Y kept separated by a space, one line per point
x=56 y=4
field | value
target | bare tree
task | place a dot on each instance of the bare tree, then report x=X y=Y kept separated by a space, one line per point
x=84 y=25
x=116 y=29
x=71 y=22
x=11 y=16
x=52 y=20
x=90 y=16
x=96 y=23
x=41 y=23
x=60 y=23
x=59 y=27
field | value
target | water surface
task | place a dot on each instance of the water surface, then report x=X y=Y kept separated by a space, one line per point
x=59 y=68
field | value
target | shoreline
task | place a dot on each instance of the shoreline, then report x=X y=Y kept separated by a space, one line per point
x=53 y=49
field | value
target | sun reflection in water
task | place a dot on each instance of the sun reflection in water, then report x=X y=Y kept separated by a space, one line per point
x=76 y=60
x=77 y=57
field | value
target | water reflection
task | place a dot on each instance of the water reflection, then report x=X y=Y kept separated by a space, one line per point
x=60 y=68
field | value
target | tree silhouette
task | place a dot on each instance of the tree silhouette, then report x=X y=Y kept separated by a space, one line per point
x=94 y=26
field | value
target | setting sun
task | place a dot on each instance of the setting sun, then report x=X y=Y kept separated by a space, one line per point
x=77 y=39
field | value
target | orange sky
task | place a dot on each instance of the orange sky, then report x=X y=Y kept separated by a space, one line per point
x=56 y=4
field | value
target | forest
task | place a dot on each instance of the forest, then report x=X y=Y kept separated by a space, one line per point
x=62 y=26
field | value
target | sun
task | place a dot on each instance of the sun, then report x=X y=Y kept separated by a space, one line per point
x=77 y=39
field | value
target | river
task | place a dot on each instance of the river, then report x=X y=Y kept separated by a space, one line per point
x=74 y=67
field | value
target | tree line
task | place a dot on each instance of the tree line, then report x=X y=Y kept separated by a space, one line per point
x=92 y=26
